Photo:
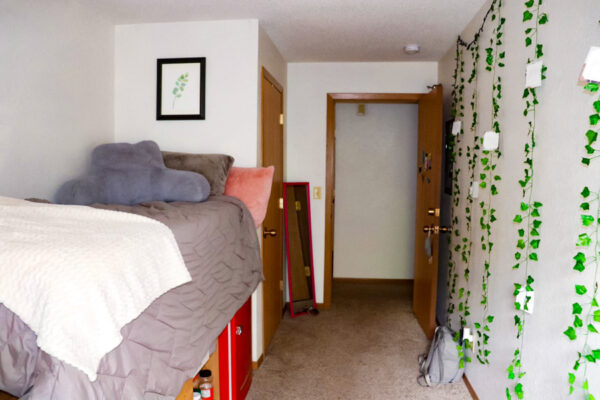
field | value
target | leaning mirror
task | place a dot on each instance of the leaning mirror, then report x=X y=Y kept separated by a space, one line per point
x=298 y=241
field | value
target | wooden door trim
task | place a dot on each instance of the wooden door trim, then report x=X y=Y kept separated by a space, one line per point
x=269 y=77
x=332 y=100
x=266 y=75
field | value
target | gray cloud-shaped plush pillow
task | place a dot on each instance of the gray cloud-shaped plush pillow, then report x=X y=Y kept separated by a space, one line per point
x=124 y=173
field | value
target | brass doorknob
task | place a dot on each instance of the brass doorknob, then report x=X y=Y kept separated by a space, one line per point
x=269 y=232
x=435 y=229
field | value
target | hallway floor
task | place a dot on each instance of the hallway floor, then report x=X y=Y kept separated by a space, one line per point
x=365 y=347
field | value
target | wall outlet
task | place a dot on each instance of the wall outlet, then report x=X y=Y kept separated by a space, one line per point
x=317 y=193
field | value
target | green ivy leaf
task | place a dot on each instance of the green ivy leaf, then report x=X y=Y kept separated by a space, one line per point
x=527 y=15
x=594 y=119
x=519 y=390
x=543 y=19
x=533 y=256
x=518 y=219
x=597 y=316
x=577 y=309
x=584 y=240
x=571 y=333
x=571 y=378
x=535 y=243
x=587 y=220
x=591 y=135
x=581 y=290
x=585 y=192
x=592 y=328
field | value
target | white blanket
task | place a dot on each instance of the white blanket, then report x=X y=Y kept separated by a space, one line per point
x=76 y=275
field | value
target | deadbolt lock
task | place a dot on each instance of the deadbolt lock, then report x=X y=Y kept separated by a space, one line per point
x=434 y=212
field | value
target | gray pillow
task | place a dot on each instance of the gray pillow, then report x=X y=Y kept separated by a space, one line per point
x=123 y=173
x=214 y=167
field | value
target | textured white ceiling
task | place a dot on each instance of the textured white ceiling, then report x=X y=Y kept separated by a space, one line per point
x=321 y=30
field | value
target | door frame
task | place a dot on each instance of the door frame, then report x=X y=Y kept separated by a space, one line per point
x=266 y=75
x=332 y=100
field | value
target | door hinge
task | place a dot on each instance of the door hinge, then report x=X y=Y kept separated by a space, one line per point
x=281 y=203
x=281 y=119
x=298 y=206
x=281 y=285
x=307 y=270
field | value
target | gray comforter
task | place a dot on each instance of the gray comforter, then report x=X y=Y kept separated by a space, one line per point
x=165 y=345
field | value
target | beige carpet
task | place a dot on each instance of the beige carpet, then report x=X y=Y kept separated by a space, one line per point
x=365 y=347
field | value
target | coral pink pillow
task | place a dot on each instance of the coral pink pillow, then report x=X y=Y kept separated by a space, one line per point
x=253 y=187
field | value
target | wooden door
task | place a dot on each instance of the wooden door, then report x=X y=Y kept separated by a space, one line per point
x=272 y=154
x=429 y=181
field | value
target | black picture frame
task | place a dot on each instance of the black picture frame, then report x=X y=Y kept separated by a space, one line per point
x=199 y=111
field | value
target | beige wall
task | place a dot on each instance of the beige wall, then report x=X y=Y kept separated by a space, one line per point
x=56 y=71
x=562 y=123
x=375 y=186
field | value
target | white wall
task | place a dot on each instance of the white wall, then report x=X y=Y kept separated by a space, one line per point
x=308 y=85
x=56 y=69
x=375 y=186
x=231 y=51
x=235 y=51
x=562 y=123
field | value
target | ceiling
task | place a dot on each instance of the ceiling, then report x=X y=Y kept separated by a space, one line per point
x=321 y=30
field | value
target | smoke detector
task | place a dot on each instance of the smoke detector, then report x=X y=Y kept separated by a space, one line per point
x=412 y=49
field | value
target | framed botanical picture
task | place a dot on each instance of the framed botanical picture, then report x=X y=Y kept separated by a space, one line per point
x=180 y=88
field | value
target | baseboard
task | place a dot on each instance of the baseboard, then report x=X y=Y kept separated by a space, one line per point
x=372 y=280
x=256 y=364
x=470 y=388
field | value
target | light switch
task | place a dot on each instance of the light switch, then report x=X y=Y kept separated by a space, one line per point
x=317 y=193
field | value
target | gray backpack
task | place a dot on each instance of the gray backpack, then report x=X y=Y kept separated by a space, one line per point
x=442 y=364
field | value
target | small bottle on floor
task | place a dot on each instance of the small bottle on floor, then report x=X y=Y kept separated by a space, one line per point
x=206 y=386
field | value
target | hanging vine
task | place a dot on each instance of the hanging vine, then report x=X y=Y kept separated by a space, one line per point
x=472 y=152
x=528 y=219
x=586 y=311
x=456 y=151
x=494 y=61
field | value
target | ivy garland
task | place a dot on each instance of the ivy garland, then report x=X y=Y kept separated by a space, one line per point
x=586 y=312
x=528 y=218
x=494 y=61
x=457 y=112
x=472 y=154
